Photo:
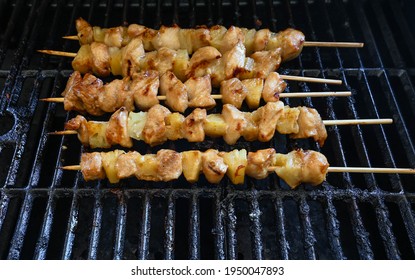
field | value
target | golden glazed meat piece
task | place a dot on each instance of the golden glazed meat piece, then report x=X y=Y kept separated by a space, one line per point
x=154 y=131
x=301 y=166
x=144 y=86
x=159 y=125
x=310 y=125
x=259 y=162
x=175 y=92
x=290 y=40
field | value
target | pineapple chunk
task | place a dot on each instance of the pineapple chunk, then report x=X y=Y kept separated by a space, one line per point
x=215 y=125
x=236 y=161
x=185 y=39
x=96 y=134
x=217 y=32
x=249 y=41
x=82 y=61
x=254 y=86
x=99 y=34
x=181 y=64
x=115 y=60
x=174 y=123
x=192 y=164
x=147 y=166
x=109 y=159
x=135 y=124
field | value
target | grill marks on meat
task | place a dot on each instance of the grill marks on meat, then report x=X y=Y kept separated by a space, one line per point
x=159 y=125
x=290 y=40
x=294 y=168
x=90 y=95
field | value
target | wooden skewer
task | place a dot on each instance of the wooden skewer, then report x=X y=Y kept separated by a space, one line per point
x=306 y=43
x=384 y=170
x=325 y=122
x=333 y=44
x=58 y=53
x=358 y=122
x=311 y=79
x=218 y=96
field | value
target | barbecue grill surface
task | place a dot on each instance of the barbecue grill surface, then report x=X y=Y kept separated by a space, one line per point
x=46 y=213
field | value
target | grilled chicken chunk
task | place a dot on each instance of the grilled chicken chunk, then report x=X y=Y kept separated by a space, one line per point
x=201 y=60
x=273 y=85
x=192 y=128
x=259 y=162
x=126 y=165
x=91 y=166
x=236 y=122
x=300 y=166
x=199 y=90
x=310 y=125
x=117 y=132
x=169 y=165
x=100 y=59
x=116 y=95
x=154 y=131
x=175 y=92
x=144 y=86
x=213 y=166
x=233 y=92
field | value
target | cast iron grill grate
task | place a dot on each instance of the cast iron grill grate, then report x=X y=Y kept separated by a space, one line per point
x=46 y=213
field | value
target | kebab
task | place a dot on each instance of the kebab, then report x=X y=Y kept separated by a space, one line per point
x=296 y=167
x=90 y=95
x=291 y=41
x=159 y=125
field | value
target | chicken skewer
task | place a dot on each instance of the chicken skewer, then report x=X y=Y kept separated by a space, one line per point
x=292 y=41
x=296 y=167
x=159 y=125
x=102 y=60
x=89 y=94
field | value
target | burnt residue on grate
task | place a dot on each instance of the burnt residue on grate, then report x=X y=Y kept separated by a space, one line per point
x=46 y=213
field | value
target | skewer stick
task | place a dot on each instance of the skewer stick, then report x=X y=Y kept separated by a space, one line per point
x=218 y=96
x=333 y=169
x=306 y=43
x=333 y=44
x=325 y=122
x=58 y=53
x=372 y=170
x=311 y=79
x=357 y=122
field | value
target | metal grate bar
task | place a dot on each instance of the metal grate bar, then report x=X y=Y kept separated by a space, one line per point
x=281 y=232
x=362 y=236
x=44 y=236
x=405 y=29
x=333 y=229
x=142 y=11
x=385 y=230
x=309 y=239
x=272 y=15
x=192 y=13
x=194 y=225
x=231 y=231
x=175 y=12
x=96 y=225
x=158 y=21
x=220 y=241
x=256 y=227
x=108 y=13
x=120 y=226
x=4 y=205
x=219 y=19
x=21 y=227
x=169 y=227
x=125 y=11
x=143 y=249
x=388 y=35
x=70 y=232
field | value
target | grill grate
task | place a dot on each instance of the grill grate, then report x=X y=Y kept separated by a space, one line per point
x=46 y=213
